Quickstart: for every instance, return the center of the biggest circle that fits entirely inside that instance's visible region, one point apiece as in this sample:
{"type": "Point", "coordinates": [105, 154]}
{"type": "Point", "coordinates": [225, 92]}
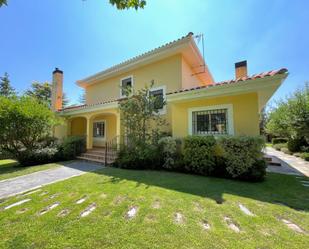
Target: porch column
{"type": "Point", "coordinates": [89, 133]}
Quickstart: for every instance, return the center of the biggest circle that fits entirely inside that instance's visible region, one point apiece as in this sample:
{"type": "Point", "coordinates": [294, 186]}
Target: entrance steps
{"type": "Point", "coordinates": [98, 155]}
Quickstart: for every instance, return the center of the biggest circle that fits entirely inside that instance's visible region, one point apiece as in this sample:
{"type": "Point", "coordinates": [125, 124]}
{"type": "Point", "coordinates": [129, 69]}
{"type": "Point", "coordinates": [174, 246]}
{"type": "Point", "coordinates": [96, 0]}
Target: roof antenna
{"type": "Point", "coordinates": [200, 37]}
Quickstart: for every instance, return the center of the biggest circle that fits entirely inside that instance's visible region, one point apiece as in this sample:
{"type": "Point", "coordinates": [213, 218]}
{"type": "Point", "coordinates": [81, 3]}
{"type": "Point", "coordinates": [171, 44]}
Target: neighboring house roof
{"type": "Point", "coordinates": [185, 45]}
{"type": "Point", "coordinates": [269, 74]}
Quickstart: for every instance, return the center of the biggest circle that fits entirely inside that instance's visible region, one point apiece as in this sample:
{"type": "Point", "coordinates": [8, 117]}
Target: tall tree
{"type": "Point", "coordinates": [3, 2]}
{"type": "Point", "coordinates": [42, 92]}
{"type": "Point", "coordinates": [82, 98]}
{"type": "Point", "coordinates": [6, 89]}
{"type": "Point", "coordinates": [120, 4]}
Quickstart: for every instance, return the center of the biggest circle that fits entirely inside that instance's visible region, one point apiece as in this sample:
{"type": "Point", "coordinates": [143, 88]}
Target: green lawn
{"type": "Point", "coordinates": [197, 198]}
{"type": "Point", "coordinates": [10, 168]}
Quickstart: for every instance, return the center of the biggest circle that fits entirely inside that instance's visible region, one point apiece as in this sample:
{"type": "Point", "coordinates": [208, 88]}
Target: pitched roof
{"type": "Point", "coordinates": [253, 77]}
{"type": "Point", "coordinates": [139, 58]}
{"type": "Point", "coordinates": [236, 81]}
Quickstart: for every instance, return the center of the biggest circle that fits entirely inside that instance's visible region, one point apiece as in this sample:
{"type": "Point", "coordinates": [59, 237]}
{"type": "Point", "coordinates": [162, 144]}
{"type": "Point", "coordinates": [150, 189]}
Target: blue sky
{"type": "Point", "coordinates": [84, 37]}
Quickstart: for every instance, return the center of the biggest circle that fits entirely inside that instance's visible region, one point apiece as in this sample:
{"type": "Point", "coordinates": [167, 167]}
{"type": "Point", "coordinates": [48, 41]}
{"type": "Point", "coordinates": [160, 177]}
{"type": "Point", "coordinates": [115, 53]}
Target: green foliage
{"type": "Point", "coordinates": [71, 147]}
{"type": "Point", "coordinates": [280, 146]}
{"type": "Point", "coordinates": [255, 173]}
{"type": "Point", "coordinates": [143, 156]}
{"type": "Point", "coordinates": [199, 154]}
{"type": "Point", "coordinates": [295, 144]}
{"type": "Point", "coordinates": [140, 118]}
{"type": "Point", "coordinates": [279, 140]}
{"type": "Point", "coordinates": [6, 90]}
{"type": "Point", "coordinates": [24, 122]}
{"type": "Point", "coordinates": [291, 117]}
{"type": "Point", "coordinates": [168, 150]}
{"type": "Point", "coordinates": [3, 2]}
{"type": "Point", "coordinates": [305, 156]}
{"type": "Point", "coordinates": [241, 152]}
{"type": "Point", "coordinates": [127, 4]}
{"type": "Point", "coordinates": [42, 92]}
{"type": "Point", "coordinates": [286, 151]}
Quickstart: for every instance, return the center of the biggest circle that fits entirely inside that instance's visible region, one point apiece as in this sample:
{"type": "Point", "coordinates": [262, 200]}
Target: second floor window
{"type": "Point", "coordinates": [159, 98]}
{"type": "Point", "coordinates": [126, 84]}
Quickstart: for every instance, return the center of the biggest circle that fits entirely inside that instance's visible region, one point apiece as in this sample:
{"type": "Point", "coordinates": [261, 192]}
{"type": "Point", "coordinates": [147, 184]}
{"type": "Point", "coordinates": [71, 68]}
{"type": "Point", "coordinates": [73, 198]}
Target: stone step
{"type": "Point", "coordinates": [91, 160]}
{"type": "Point", "coordinates": [272, 161]}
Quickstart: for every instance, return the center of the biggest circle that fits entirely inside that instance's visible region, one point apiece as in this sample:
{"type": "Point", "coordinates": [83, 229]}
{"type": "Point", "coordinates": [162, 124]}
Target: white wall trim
{"type": "Point", "coordinates": [105, 135]}
{"type": "Point", "coordinates": [120, 84]}
{"type": "Point", "coordinates": [163, 87]}
{"type": "Point", "coordinates": [230, 116]}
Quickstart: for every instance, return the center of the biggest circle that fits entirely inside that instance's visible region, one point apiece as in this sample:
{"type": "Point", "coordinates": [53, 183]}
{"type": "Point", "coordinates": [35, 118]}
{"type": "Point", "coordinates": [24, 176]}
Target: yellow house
{"type": "Point", "coordinates": [196, 104]}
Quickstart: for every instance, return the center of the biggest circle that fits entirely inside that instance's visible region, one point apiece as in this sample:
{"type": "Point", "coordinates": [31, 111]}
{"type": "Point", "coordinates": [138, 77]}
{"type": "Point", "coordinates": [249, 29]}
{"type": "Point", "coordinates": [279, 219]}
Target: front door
{"type": "Point", "coordinates": [99, 133]}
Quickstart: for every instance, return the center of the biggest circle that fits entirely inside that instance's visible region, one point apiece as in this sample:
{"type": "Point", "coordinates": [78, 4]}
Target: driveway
{"type": "Point", "coordinates": [13, 186]}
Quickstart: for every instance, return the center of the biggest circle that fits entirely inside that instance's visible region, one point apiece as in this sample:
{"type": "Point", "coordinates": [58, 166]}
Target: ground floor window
{"type": "Point", "coordinates": [99, 129]}
{"type": "Point", "coordinates": [216, 120]}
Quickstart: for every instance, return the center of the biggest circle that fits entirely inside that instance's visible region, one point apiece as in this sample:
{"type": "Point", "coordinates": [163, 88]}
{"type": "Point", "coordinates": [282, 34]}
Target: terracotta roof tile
{"type": "Point", "coordinates": [253, 77]}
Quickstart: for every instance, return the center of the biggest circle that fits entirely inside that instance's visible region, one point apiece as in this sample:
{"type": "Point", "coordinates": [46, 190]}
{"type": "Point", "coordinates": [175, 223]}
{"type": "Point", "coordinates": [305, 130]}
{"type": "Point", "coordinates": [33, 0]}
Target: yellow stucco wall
{"type": "Point", "coordinates": [111, 128]}
{"type": "Point", "coordinates": [165, 72]}
{"type": "Point", "coordinates": [245, 113]}
{"type": "Point", "coordinates": [78, 126]}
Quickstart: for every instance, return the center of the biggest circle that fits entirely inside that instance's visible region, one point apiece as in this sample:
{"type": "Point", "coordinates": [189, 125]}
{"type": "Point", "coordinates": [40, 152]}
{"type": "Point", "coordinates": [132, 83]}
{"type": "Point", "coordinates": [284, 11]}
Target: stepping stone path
{"type": "Point", "coordinates": [156, 204]}
{"type": "Point", "coordinates": [63, 213]}
{"type": "Point", "coordinates": [88, 210]}
{"type": "Point", "coordinates": [119, 199]}
{"type": "Point", "coordinates": [231, 224]}
{"type": "Point", "coordinates": [293, 226]}
{"type": "Point", "coordinates": [205, 225]}
{"type": "Point", "coordinates": [178, 218]}
{"type": "Point", "coordinates": [47, 209]}
{"type": "Point", "coordinates": [81, 200]}
{"type": "Point", "coordinates": [131, 213]}
{"type": "Point", "coordinates": [198, 207]}
{"type": "Point", "coordinates": [44, 193]}
{"type": "Point", "coordinates": [32, 192]}
{"type": "Point", "coordinates": [54, 196]}
{"type": "Point", "coordinates": [21, 211]}
{"type": "Point", "coordinates": [245, 210]}
{"type": "Point", "coordinates": [17, 204]}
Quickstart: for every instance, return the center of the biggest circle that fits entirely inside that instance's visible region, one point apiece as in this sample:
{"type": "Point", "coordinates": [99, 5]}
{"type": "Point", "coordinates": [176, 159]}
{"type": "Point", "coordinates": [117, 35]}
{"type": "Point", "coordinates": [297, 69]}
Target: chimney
{"type": "Point", "coordinates": [56, 95]}
{"type": "Point", "coordinates": [241, 69]}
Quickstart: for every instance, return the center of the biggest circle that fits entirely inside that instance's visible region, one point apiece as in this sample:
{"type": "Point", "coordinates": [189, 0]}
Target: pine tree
{"type": "Point", "coordinates": [5, 88]}
{"type": "Point", "coordinates": [82, 98]}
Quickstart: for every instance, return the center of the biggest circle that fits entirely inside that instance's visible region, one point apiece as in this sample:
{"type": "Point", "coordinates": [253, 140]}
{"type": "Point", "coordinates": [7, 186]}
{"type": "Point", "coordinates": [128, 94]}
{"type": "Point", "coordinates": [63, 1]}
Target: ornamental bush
{"type": "Point", "coordinates": [280, 146]}
{"type": "Point", "coordinates": [241, 153]}
{"type": "Point", "coordinates": [279, 140]}
{"type": "Point", "coordinates": [71, 147]}
{"type": "Point", "coordinates": [199, 154]}
{"type": "Point", "coordinates": [295, 144]}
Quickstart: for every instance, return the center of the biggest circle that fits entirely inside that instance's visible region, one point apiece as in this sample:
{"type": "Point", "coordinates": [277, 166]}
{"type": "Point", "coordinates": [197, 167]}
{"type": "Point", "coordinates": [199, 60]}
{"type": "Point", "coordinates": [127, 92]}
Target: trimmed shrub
{"type": "Point", "coordinates": [280, 146]}
{"type": "Point", "coordinates": [295, 144]}
{"type": "Point", "coordinates": [139, 157]}
{"type": "Point", "coordinates": [241, 153]}
{"type": "Point", "coordinates": [71, 147]}
{"type": "Point", "coordinates": [37, 156]}
{"type": "Point", "coordinates": [168, 149]}
{"type": "Point", "coordinates": [279, 140]}
{"type": "Point", "coordinates": [286, 151]}
{"type": "Point", "coordinates": [305, 156]}
{"type": "Point", "coordinates": [255, 173]}
{"type": "Point", "coordinates": [199, 154]}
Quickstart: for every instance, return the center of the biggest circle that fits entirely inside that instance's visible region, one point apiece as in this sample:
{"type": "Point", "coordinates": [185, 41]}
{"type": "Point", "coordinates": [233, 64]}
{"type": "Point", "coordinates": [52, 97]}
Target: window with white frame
{"type": "Point", "coordinates": [99, 129]}
{"type": "Point", "coordinates": [159, 95]}
{"type": "Point", "coordinates": [126, 84]}
{"type": "Point", "coordinates": [211, 120]}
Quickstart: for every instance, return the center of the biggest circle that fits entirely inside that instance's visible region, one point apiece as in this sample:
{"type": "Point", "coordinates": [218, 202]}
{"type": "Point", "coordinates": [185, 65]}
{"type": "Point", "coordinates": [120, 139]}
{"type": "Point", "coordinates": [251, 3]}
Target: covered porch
{"type": "Point", "coordinates": [98, 127]}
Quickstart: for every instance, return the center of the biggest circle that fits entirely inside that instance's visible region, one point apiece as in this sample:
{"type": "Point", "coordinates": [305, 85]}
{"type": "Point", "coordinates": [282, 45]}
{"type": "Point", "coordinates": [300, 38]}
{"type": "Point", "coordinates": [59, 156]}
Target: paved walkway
{"type": "Point", "coordinates": [290, 164]}
{"type": "Point", "coordinates": [25, 183]}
